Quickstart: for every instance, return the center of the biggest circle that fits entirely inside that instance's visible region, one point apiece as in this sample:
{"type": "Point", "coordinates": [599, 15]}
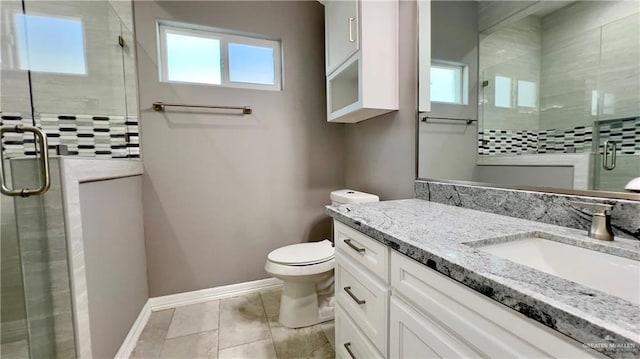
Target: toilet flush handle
{"type": "Point", "coordinates": [355, 248]}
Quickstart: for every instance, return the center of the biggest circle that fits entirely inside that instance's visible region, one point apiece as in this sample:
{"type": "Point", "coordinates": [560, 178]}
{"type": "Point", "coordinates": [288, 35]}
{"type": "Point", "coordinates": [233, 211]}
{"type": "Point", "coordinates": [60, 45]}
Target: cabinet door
{"type": "Point", "coordinates": [412, 335]}
{"type": "Point", "coordinates": [341, 31]}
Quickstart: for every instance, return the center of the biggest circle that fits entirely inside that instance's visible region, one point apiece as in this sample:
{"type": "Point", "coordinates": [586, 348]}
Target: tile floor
{"type": "Point", "coordinates": [239, 327]}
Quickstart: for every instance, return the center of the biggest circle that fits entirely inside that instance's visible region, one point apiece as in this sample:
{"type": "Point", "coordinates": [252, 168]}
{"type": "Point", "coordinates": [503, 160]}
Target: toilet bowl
{"type": "Point", "coordinates": [306, 269]}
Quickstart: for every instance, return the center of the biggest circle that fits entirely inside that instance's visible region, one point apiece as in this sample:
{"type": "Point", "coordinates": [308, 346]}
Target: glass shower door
{"type": "Point", "coordinates": [36, 319]}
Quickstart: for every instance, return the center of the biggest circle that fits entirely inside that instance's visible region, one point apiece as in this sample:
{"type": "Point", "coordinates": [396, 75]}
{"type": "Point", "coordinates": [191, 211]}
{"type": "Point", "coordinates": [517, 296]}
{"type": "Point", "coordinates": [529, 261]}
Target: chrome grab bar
{"type": "Point", "coordinates": [160, 106]}
{"type": "Point", "coordinates": [606, 164]}
{"type": "Point", "coordinates": [44, 162]}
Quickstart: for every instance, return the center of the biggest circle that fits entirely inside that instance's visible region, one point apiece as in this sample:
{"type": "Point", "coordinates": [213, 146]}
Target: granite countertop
{"type": "Point", "coordinates": [435, 235]}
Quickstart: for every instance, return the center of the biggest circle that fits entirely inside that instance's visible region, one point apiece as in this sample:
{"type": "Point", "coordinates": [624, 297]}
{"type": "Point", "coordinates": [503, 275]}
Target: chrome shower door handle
{"type": "Point", "coordinates": [606, 164]}
{"type": "Point", "coordinates": [43, 163]}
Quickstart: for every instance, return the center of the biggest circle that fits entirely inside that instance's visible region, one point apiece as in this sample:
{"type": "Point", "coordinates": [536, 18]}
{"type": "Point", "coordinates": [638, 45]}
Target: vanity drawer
{"type": "Point", "coordinates": [363, 250]}
{"type": "Point", "coordinates": [365, 299]}
{"type": "Point", "coordinates": [349, 336]}
{"type": "Point", "coordinates": [492, 329]}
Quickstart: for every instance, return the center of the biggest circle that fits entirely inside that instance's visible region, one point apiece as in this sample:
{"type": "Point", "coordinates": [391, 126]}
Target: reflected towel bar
{"type": "Point", "coordinates": [160, 106]}
{"type": "Point", "coordinates": [467, 120]}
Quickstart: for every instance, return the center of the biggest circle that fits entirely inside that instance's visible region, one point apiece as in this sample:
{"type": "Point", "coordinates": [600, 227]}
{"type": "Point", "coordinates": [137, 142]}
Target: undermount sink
{"type": "Point", "coordinates": [605, 272]}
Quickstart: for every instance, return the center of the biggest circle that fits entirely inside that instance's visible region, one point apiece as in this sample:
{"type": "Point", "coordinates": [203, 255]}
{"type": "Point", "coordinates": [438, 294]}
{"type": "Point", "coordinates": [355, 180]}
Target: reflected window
{"type": "Point", "coordinates": [527, 94]}
{"type": "Point", "coordinates": [448, 83]}
{"type": "Point", "coordinates": [503, 92]}
{"type": "Point", "coordinates": [50, 44]}
{"type": "Point", "coordinates": [198, 55]}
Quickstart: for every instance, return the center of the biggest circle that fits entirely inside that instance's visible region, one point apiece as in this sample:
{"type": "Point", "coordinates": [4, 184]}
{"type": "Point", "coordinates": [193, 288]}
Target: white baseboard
{"type": "Point", "coordinates": [131, 340]}
{"type": "Point", "coordinates": [181, 299]}
{"type": "Point", "coordinates": [205, 295]}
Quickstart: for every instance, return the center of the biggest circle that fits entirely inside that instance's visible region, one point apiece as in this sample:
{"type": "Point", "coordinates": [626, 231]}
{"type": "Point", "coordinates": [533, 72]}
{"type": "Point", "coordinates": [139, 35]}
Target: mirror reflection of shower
{"type": "Point", "coordinates": [556, 83]}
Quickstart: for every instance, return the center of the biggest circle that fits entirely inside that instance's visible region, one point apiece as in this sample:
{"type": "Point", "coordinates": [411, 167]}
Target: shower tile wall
{"type": "Point", "coordinates": [91, 115]}
{"type": "Point", "coordinates": [603, 38]}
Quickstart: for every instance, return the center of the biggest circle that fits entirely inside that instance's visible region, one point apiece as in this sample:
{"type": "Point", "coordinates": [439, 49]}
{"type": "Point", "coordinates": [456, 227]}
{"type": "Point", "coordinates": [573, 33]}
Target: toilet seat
{"type": "Point", "coordinates": [303, 254]}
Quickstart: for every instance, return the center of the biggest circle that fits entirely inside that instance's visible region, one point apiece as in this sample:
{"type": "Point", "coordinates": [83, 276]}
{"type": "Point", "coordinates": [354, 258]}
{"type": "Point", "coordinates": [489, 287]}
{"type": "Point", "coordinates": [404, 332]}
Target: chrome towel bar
{"type": "Point", "coordinates": [160, 106]}
{"type": "Point", "coordinates": [467, 120]}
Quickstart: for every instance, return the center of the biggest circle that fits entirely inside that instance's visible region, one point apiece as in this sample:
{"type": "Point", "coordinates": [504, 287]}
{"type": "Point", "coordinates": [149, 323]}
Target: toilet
{"type": "Point", "coordinates": [307, 272]}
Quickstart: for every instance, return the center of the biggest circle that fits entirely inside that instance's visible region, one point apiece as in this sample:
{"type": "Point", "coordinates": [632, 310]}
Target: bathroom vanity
{"type": "Point", "coordinates": [416, 278]}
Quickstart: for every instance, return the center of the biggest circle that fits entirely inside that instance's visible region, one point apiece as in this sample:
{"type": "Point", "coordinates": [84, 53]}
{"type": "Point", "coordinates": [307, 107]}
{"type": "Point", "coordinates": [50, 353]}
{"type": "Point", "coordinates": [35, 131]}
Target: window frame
{"type": "Point", "coordinates": [225, 38]}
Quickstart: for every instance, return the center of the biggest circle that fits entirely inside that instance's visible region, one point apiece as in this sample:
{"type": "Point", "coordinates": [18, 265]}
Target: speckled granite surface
{"type": "Point", "coordinates": [543, 207]}
{"type": "Point", "coordinates": [434, 234]}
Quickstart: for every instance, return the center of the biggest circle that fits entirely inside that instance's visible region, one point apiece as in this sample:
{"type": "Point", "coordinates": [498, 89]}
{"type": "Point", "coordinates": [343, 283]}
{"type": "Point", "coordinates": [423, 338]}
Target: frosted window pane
{"type": "Point", "coordinates": [193, 59]}
{"type": "Point", "coordinates": [251, 64]}
{"type": "Point", "coordinates": [503, 92]}
{"type": "Point", "coordinates": [446, 84]}
{"type": "Point", "coordinates": [527, 94]}
{"type": "Point", "coordinates": [50, 44]}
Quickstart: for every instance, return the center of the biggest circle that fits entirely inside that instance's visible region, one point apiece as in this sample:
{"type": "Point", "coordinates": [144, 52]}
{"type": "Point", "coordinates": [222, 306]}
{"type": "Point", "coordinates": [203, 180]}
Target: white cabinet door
{"type": "Point", "coordinates": [413, 335]}
{"type": "Point", "coordinates": [341, 30]}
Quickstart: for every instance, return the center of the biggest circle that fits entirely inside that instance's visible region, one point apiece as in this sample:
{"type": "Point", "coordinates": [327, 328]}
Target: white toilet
{"type": "Point", "coordinates": [307, 272]}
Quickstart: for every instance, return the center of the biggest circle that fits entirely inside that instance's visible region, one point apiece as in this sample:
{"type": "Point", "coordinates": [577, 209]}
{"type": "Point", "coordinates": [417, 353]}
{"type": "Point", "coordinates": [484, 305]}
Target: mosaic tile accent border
{"type": "Point", "coordinates": [82, 135]}
{"type": "Point", "coordinates": [626, 132]}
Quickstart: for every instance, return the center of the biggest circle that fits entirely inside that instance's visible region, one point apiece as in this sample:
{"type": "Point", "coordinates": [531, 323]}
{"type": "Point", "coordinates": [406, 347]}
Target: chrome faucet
{"type": "Point", "coordinates": [601, 221]}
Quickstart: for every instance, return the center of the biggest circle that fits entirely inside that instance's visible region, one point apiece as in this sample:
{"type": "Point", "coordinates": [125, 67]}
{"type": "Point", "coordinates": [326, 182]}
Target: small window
{"type": "Point", "coordinates": [503, 92]}
{"type": "Point", "coordinates": [448, 83]}
{"type": "Point", "coordinates": [527, 94]}
{"type": "Point", "coordinates": [50, 44]}
{"type": "Point", "coordinates": [209, 57]}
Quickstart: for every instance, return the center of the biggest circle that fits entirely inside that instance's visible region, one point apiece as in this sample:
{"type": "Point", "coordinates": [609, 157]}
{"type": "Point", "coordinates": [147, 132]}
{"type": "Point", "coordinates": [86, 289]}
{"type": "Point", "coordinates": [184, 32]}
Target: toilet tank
{"type": "Point", "coordinates": [349, 196]}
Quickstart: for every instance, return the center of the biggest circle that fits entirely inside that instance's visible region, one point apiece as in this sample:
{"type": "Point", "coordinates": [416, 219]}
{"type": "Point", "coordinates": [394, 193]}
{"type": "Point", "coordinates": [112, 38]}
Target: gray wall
{"type": "Point", "coordinates": [380, 152]}
{"type": "Point", "coordinates": [221, 191]}
{"type": "Point", "coordinates": [448, 149]}
{"type": "Point", "coordinates": [114, 251]}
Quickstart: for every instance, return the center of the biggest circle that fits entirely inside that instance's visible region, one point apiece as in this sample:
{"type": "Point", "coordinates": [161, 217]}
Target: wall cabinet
{"type": "Point", "coordinates": [341, 25]}
{"type": "Point", "coordinates": [391, 306]}
{"type": "Point", "coordinates": [361, 59]}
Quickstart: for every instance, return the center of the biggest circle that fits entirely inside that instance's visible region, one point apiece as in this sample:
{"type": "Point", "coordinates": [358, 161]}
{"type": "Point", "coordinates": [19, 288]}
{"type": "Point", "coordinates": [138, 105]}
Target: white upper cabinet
{"type": "Point", "coordinates": [341, 32]}
{"type": "Point", "coordinates": [362, 59]}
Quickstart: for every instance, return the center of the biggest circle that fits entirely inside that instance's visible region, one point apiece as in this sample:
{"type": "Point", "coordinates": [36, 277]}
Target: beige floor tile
{"type": "Point", "coordinates": [194, 346]}
{"type": "Point", "coordinates": [152, 337]}
{"type": "Point", "coordinates": [262, 349]}
{"type": "Point", "coordinates": [194, 318]}
{"type": "Point", "coordinates": [271, 301]}
{"type": "Point", "coordinates": [242, 321]}
{"type": "Point", "coordinates": [309, 342]}
{"type": "Point", "coordinates": [329, 329]}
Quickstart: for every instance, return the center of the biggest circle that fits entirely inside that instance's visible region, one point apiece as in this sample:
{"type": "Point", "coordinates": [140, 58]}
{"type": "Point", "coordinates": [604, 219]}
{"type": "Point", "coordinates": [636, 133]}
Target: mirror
{"type": "Point", "coordinates": [531, 94]}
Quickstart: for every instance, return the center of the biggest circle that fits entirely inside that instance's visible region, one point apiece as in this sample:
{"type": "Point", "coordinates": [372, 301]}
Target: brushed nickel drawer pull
{"type": "Point", "coordinates": [355, 248]}
{"type": "Point", "coordinates": [347, 346]}
{"type": "Point", "coordinates": [353, 296]}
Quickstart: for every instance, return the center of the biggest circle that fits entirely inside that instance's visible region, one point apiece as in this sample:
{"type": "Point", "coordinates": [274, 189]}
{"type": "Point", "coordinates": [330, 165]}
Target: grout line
{"type": "Point", "coordinates": [264, 311]}
{"type": "Point", "coordinates": [164, 341]}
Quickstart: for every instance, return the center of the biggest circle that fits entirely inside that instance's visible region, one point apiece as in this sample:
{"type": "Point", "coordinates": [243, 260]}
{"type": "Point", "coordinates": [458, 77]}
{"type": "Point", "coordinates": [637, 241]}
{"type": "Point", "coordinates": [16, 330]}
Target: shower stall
{"type": "Point", "coordinates": [558, 88]}
{"type": "Point", "coordinates": [67, 88]}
